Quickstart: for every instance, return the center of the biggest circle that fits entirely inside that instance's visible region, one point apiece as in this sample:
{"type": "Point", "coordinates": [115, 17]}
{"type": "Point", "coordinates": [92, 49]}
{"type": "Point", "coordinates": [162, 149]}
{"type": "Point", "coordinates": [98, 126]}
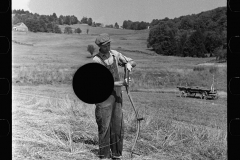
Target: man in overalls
{"type": "Point", "coordinates": [109, 115]}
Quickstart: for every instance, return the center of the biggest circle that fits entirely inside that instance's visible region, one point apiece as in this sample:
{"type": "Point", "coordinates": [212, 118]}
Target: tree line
{"type": "Point", "coordinates": [43, 23]}
{"type": "Point", "coordinates": [128, 24]}
{"type": "Point", "coordinates": [190, 36]}
{"type": "Point", "coordinates": [48, 23]}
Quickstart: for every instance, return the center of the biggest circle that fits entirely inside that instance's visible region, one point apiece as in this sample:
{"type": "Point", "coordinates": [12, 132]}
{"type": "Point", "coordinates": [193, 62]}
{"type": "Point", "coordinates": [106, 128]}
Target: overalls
{"type": "Point", "coordinates": [109, 117]}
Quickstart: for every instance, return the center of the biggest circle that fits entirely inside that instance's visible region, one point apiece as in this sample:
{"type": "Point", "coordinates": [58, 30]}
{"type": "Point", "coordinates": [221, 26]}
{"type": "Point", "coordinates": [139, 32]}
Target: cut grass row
{"type": "Point", "coordinates": [55, 129]}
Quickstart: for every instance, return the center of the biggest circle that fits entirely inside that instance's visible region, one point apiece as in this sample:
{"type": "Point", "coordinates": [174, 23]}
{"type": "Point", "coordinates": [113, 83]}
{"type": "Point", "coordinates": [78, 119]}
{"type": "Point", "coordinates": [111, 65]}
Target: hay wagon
{"type": "Point", "coordinates": [204, 93]}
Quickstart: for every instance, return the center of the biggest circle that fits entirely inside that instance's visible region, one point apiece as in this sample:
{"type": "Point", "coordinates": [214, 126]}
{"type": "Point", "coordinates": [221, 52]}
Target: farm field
{"type": "Point", "coordinates": [50, 122]}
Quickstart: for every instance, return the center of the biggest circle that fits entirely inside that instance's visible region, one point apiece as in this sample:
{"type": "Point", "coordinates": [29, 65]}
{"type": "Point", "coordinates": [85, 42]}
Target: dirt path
{"type": "Point", "coordinates": [214, 64]}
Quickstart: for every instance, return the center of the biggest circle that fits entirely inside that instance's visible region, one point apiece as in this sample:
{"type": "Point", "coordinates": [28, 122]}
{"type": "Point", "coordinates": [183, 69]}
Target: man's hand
{"type": "Point", "coordinates": [125, 83]}
{"type": "Point", "coordinates": [129, 67]}
{"type": "Point", "coordinates": [127, 80]}
{"type": "Point", "coordinates": [121, 83]}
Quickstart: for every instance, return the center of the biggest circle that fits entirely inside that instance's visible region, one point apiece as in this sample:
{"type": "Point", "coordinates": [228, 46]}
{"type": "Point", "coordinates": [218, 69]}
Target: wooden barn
{"type": "Point", "coordinates": [20, 27]}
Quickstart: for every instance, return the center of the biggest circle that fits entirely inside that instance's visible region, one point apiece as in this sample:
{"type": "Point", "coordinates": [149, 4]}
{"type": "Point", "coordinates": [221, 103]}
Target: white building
{"type": "Point", "coordinates": [20, 27]}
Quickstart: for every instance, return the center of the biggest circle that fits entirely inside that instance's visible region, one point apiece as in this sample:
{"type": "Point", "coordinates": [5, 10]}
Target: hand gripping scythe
{"type": "Point", "coordinates": [126, 76]}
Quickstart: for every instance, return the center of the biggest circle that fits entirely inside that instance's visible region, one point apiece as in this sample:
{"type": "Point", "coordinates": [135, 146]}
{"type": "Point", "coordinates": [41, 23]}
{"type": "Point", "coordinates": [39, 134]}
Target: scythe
{"type": "Point", "coordinates": [126, 76]}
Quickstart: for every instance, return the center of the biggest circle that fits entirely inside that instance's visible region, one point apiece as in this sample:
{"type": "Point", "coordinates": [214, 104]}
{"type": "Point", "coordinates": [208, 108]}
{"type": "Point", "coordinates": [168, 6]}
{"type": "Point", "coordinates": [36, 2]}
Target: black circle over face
{"type": "Point", "coordinates": [93, 83]}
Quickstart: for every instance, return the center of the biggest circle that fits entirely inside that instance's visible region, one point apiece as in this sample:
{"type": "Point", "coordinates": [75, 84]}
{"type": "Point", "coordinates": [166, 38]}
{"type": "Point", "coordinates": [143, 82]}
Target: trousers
{"type": "Point", "coordinates": [109, 118]}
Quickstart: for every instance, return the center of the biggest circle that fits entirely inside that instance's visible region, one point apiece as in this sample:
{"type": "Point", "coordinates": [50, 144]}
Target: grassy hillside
{"type": "Point", "coordinates": [50, 122]}
{"type": "Point", "coordinates": [97, 30]}
{"type": "Point", "coordinates": [64, 51]}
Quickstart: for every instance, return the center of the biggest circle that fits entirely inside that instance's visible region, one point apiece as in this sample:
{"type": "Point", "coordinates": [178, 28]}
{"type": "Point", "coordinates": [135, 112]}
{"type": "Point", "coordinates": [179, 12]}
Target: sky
{"type": "Point", "coordinates": [112, 11]}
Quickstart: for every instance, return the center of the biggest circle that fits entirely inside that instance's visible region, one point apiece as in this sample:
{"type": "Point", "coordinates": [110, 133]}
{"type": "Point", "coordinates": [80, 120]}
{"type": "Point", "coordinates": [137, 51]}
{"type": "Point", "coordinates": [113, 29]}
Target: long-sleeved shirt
{"type": "Point", "coordinates": [121, 59]}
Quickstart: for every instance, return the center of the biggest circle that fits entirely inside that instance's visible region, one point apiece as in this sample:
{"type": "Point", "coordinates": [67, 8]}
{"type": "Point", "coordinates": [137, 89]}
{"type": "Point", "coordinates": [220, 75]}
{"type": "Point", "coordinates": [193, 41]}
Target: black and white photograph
{"type": "Point", "coordinates": [119, 79]}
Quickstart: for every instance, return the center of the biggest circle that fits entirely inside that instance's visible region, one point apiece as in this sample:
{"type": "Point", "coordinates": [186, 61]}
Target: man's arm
{"type": "Point", "coordinates": [123, 60]}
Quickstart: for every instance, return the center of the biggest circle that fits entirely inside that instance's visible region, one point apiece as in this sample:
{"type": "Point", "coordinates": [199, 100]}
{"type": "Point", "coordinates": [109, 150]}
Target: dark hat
{"type": "Point", "coordinates": [102, 39]}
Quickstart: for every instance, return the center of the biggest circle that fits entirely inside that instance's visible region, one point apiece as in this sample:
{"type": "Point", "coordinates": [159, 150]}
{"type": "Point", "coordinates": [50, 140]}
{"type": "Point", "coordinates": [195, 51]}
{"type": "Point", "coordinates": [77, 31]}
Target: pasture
{"type": "Point", "coordinates": [50, 122]}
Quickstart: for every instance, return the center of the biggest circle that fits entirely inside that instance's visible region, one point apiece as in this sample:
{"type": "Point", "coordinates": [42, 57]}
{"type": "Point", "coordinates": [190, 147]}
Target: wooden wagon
{"type": "Point", "coordinates": [204, 93]}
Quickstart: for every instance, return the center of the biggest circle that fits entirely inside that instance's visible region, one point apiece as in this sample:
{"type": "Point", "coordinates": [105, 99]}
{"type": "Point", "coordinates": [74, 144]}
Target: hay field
{"type": "Point", "coordinates": [50, 122]}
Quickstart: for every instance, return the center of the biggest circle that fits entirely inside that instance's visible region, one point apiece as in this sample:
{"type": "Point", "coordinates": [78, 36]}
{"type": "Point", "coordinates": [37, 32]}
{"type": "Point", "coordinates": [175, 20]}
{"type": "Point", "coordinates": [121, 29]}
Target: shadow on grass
{"type": "Point", "coordinates": [94, 151]}
{"type": "Point", "coordinates": [85, 140]}
{"type": "Point", "coordinates": [196, 97]}
{"type": "Point", "coordinates": [89, 56]}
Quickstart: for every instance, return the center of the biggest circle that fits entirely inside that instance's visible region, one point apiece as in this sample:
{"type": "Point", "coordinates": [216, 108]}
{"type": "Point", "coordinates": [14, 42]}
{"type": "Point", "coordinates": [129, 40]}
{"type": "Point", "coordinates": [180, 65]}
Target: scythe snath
{"type": "Point", "coordinates": [126, 76]}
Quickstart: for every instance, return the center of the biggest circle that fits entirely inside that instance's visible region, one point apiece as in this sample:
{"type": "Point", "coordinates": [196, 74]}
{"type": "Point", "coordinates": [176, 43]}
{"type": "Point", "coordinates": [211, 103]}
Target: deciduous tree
{"type": "Point", "coordinates": [91, 49]}
{"type": "Point", "coordinates": [78, 30]}
{"type": "Point", "coordinates": [89, 21]}
{"type": "Point", "coordinates": [194, 46]}
{"type": "Point", "coordinates": [84, 20]}
{"type": "Point", "coordinates": [212, 41]}
{"type": "Point", "coordinates": [116, 25]}
{"type": "Point", "coordinates": [162, 39]}
{"type": "Point", "coordinates": [68, 30]}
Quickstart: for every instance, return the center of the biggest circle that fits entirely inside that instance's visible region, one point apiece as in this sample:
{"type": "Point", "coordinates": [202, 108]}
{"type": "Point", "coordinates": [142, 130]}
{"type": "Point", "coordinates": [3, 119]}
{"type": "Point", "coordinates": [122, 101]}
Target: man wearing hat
{"type": "Point", "coordinates": [109, 115]}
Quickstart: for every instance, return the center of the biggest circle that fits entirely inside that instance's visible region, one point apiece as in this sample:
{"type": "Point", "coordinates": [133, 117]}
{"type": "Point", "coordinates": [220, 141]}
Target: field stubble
{"type": "Point", "coordinates": [65, 128]}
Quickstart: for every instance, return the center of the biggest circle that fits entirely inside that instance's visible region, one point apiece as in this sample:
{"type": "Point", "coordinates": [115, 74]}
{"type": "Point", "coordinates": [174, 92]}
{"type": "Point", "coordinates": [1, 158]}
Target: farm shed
{"type": "Point", "coordinates": [20, 27]}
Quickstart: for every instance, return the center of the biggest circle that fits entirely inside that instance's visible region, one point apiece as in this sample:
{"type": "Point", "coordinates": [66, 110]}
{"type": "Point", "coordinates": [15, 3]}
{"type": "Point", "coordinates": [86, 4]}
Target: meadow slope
{"type": "Point", "coordinates": [50, 122]}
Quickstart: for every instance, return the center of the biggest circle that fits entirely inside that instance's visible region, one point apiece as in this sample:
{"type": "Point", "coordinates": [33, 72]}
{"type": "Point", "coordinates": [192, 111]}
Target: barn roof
{"type": "Point", "coordinates": [18, 24]}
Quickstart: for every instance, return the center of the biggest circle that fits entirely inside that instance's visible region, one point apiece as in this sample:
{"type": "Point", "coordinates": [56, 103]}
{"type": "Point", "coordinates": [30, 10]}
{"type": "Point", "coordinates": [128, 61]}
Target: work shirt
{"type": "Point", "coordinates": [121, 59]}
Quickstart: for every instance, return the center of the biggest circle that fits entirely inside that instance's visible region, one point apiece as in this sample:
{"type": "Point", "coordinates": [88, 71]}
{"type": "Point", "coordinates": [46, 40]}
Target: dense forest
{"type": "Point", "coordinates": [195, 35]}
